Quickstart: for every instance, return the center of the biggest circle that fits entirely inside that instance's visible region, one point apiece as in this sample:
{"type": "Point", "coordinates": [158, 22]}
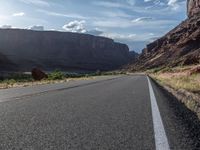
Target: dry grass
{"type": "Point", "coordinates": [178, 78]}
{"type": "Point", "coordinates": [11, 83]}
{"type": "Point", "coordinates": [22, 80]}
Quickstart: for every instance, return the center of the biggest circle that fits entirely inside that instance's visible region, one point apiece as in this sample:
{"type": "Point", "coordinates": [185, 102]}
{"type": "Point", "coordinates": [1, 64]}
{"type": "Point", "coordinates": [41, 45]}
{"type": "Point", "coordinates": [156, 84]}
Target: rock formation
{"type": "Point", "coordinates": [38, 74]}
{"type": "Point", "coordinates": [52, 50]}
{"type": "Point", "coordinates": [180, 46]}
{"type": "Point", "coordinates": [193, 7]}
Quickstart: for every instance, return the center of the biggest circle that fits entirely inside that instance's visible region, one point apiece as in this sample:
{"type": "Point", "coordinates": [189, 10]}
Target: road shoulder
{"type": "Point", "coordinates": [181, 124]}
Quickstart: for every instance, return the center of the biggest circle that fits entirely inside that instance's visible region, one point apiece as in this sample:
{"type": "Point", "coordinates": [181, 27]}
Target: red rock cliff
{"type": "Point", "coordinates": [180, 46]}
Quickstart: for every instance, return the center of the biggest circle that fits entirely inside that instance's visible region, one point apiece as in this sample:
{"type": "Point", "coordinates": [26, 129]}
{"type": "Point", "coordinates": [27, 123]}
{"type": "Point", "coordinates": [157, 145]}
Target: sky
{"type": "Point", "coordinates": [133, 22]}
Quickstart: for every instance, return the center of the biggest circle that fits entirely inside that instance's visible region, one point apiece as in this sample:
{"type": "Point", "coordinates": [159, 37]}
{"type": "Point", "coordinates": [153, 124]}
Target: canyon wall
{"type": "Point", "coordinates": [51, 50]}
{"type": "Point", "coordinates": [180, 46]}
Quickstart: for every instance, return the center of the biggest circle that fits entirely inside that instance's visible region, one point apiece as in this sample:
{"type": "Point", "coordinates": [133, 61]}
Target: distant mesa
{"type": "Point", "coordinates": [52, 50]}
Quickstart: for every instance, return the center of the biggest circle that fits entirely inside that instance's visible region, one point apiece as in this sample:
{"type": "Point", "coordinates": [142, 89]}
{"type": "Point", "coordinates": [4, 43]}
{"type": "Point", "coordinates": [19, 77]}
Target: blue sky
{"type": "Point", "coordinates": [134, 22]}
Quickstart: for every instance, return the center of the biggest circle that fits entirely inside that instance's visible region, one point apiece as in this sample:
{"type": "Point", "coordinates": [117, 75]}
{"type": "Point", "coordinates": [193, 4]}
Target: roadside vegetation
{"type": "Point", "coordinates": [12, 79]}
{"type": "Point", "coordinates": [178, 77]}
{"type": "Point", "coordinates": [21, 79]}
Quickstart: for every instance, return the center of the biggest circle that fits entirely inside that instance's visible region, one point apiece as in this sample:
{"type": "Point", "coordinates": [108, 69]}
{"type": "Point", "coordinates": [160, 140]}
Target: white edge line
{"type": "Point", "coordinates": [161, 141]}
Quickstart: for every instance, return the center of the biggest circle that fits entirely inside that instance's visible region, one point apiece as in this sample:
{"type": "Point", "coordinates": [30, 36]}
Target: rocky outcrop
{"type": "Point", "coordinates": [181, 46]}
{"type": "Point", "coordinates": [52, 50]}
{"type": "Point", "coordinates": [38, 74]}
{"type": "Point", "coordinates": [193, 7]}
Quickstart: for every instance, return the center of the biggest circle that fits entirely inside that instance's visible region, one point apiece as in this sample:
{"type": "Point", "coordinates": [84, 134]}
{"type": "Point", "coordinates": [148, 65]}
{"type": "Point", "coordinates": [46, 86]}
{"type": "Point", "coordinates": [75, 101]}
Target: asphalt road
{"type": "Point", "coordinates": [107, 113]}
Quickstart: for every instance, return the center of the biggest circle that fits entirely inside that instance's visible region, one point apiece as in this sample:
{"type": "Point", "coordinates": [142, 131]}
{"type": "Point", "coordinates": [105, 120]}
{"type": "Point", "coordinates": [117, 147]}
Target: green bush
{"type": "Point", "coordinates": [56, 75]}
{"type": "Point", "coordinates": [9, 81]}
{"type": "Point", "coordinates": [73, 75]}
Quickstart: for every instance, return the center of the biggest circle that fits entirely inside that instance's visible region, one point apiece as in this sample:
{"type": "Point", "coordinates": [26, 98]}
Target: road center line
{"type": "Point", "coordinates": [161, 140]}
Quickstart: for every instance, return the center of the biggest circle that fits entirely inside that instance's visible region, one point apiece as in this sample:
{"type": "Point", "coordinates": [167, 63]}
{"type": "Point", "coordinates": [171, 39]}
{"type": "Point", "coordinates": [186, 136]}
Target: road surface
{"type": "Point", "coordinates": [128, 112]}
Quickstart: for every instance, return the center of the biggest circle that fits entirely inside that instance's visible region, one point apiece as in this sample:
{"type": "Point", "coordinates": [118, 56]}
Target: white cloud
{"type": "Point", "coordinates": [142, 19]}
{"type": "Point", "coordinates": [119, 36]}
{"type": "Point", "coordinates": [115, 14]}
{"type": "Point", "coordinates": [148, 0]}
{"type": "Point", "coordinates": [56, 14]}
{"type": "Point", "coordinates": [95, 32]}
{"type": "Point", "coordinates": [112, 23]}
{"type": "Point", "coordinates": [130, 37]}
{"type": "Point", "coordinates": [79, 27]}
{"type": "Point", "coordinates": [19, 14]}
{"type": "Point", "coordinates": [131, 2]}
{"type": "Point", "coordinates": [41, 3]}
{"type": "Point", "coordinates": [110, 4]}
{"type": "Point", "coordinates": [141, 23]}
{"type": "Point", "coordinates": [135, 41]}
{"type": "Point", "coordinates": [37, 28]}
{"type": "Point", "coordinates": [75, 26]}
{"type": "Point", "coordinates": [174, 4]}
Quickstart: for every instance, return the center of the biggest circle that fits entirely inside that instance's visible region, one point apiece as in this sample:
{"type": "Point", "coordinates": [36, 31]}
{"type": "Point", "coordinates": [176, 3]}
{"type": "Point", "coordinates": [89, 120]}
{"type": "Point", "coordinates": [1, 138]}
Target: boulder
{"type": "Point", "coordinates": [38, 74]}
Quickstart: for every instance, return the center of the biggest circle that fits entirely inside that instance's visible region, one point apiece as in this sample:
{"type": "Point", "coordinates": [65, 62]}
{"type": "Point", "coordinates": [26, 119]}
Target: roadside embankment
{"type": "Point", "coordinates": [183, 83]}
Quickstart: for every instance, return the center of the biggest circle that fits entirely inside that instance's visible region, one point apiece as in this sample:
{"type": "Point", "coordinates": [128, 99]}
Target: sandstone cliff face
{"type": "Point", "coordinates": [58, 50]}
{"type": "Point", "coordinates": [181, 46]}
{"type": "Point", "coordinates": [193, 7]}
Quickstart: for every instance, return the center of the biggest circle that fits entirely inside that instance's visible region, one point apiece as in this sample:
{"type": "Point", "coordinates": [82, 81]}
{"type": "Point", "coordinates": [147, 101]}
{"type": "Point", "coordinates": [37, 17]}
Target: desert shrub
{"type": "Point", "coordinates": [56, 75]}
{"type": "Point", "coordinates": [74, 75]}
{"type": "Point", "coordinates": [9, 81]}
